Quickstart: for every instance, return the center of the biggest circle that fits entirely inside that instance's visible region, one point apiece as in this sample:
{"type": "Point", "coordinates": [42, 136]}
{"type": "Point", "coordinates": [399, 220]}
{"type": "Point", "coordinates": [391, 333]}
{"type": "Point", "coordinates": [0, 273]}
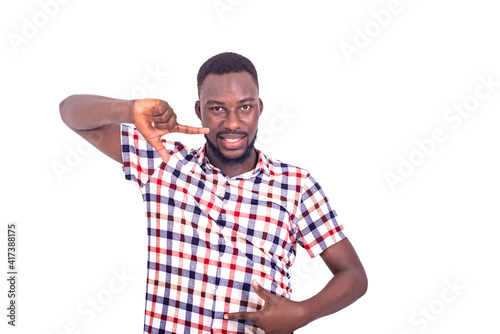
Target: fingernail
{"type": "Point", "coordinates": [226, 316]}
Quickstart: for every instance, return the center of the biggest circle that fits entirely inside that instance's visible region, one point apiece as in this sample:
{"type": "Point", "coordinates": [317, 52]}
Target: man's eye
{"type": "Point", "coordinates": [246, 107]}
{"type": "Point", "coordinates": [217, 109]}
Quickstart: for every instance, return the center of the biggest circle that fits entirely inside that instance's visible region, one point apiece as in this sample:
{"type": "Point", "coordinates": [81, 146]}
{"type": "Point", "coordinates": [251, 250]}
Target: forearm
{"type": "Point", "coordinates": [343, 289]}
{"type": "Point", "coordinates": [86, 112]}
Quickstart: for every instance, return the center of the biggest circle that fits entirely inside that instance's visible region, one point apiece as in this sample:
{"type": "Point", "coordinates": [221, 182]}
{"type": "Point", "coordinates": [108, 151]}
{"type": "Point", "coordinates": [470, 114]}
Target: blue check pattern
{"type": "Point", "coordinates": [210, 235]}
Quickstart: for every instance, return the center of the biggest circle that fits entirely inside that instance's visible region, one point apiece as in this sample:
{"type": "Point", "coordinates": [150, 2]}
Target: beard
{"type": "Point", "coordinates": [230, 161]}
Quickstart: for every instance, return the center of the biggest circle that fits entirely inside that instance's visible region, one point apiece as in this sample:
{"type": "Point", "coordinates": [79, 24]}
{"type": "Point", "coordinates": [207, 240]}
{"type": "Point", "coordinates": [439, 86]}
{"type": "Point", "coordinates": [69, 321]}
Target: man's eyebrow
{"type": "Point", "coordinates": [214, 102]}
{"type": "Point", "coordinates": [248, 99]}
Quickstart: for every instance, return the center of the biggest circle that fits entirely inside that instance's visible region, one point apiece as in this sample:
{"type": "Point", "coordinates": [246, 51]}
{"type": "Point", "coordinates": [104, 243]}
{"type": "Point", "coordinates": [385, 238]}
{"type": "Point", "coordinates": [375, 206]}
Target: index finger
{"type": "Point", "coordinates": [192, 130]}
{"type": "Point", "coordinates": [239, 315]}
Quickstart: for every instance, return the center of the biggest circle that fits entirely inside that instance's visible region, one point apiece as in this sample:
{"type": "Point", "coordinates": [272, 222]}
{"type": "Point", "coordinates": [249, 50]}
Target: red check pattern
{"type": "Point", "coordinates": [211, 235]}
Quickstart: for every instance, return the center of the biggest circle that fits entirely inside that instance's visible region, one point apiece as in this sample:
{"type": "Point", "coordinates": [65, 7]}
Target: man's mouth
{"type": "Point", "coordinates": [232, 142]}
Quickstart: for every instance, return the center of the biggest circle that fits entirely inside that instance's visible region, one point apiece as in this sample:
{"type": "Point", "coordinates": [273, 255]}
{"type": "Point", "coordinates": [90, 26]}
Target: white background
{"type": "Point", "coordinates": [351, 118]}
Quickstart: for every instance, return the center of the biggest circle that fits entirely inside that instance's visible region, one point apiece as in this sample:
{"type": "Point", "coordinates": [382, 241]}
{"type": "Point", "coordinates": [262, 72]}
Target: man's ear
{"type": "Point", "coordinates": [261, 106]}
{"type": "Point", "coordinates": [197, 109]}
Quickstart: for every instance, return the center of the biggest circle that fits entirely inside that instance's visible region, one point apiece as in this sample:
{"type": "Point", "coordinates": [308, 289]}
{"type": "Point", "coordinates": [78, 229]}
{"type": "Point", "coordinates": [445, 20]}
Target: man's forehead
{"type": "Point", "coordinates": [234, 83]}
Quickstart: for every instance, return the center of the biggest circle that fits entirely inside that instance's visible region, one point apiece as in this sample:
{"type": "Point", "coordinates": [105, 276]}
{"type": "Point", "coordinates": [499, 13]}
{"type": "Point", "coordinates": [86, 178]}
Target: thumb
{"type": "Point", "coordinates": [263, 293]}
{"type": "Point", "coordinates": [160, 148]}
{"type": "Point", "coordinates": [153, 136]}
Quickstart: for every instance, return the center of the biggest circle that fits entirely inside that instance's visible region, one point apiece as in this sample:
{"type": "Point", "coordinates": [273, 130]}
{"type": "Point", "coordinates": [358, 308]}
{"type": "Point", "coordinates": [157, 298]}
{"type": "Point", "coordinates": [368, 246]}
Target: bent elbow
{"type": "Point", "coordinates": [64, 109]}
{"type": "Point", "coordinates": [362, 283]}
{"type": "Point", "coordinates": [63, 106]}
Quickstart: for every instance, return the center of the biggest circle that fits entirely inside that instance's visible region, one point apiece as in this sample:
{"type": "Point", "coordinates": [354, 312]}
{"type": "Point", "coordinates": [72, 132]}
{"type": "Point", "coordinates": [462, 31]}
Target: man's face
{"type": "Point", "coordinates": [230, 107]}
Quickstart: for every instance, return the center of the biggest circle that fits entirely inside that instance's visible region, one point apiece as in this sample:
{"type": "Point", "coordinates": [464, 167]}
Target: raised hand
{"type": "Point", "coordinates": [279, 315]}
{"type": "Point", "coordinates": [155, 118]}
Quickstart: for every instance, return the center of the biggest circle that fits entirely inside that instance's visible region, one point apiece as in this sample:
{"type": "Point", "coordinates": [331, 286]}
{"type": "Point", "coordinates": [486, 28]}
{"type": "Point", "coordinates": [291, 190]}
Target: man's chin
{"type": "Point", "coordinates": [234, 158]}
{"type": "Point", "coordinates": [233, 154]}
{"type": "Point", "coordinates": [231, 157]}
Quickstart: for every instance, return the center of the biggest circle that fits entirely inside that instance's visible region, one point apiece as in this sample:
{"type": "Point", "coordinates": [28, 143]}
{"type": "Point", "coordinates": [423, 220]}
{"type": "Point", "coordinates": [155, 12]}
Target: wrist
{"type": "Point", "coordinates": [304, 313]}
{"type": "Point", "coordinates": [125, 111]}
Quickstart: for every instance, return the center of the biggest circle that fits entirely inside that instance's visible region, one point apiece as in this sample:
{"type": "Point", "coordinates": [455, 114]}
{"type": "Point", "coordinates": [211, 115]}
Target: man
{"type": "Point", "coordinates": [223, 220]}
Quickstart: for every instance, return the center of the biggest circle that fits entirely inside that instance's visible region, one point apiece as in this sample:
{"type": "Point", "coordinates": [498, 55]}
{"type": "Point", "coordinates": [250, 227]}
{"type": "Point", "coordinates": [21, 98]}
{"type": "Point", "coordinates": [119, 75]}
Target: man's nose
{"type": "Point", "coordinates": [233, 121]}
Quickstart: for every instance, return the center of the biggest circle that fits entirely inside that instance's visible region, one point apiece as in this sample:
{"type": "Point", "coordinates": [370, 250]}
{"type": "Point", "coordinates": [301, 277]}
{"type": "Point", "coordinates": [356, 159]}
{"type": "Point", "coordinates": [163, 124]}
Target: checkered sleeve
{"type": "Point", "coordinates": [317, 228]}
{"type": "Point", "coordinates": [140, 159]}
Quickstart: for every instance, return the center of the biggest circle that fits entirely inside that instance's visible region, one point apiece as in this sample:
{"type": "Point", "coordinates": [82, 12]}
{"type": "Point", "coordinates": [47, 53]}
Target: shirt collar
{"type": "Point", "coordinates": [262, 163]}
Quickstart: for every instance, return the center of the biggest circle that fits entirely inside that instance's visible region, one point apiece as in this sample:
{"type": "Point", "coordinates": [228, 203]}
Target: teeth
{"type": "Point", "coordinates": [231, 140]}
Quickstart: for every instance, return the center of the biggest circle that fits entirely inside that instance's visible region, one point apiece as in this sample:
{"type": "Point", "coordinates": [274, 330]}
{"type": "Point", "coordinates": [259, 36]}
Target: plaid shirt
{"type": "Point", "coordinates": [210, 235]}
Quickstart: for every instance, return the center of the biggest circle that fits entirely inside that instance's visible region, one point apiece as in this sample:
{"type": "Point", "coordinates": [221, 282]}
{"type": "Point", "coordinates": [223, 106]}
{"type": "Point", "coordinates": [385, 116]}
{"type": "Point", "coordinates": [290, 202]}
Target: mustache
{"type": "Point", "coordinates": [231, 132]}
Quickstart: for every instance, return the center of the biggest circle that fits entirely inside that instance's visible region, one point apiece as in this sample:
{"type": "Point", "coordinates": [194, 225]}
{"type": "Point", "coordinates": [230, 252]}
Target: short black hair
{"type": "Point", "coordinates": [224, 63]}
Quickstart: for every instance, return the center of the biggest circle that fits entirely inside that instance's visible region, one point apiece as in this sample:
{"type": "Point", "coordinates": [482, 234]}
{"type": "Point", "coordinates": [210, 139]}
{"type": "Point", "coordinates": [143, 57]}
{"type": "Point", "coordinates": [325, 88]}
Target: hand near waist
{"type": "Point", "coordinates": [279, 315]}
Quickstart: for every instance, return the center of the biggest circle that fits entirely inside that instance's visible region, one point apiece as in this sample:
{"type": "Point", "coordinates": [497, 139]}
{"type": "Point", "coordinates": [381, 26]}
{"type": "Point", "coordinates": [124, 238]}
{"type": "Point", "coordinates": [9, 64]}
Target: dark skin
{"type": "Point", "coordinates": [229, 109]}
{"type": "Point", "coordinates": [231, 102]}
{"type": "Point", "coordinates": [97, 119]}
{"type": "Point", "coordinates": [348, 284]}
